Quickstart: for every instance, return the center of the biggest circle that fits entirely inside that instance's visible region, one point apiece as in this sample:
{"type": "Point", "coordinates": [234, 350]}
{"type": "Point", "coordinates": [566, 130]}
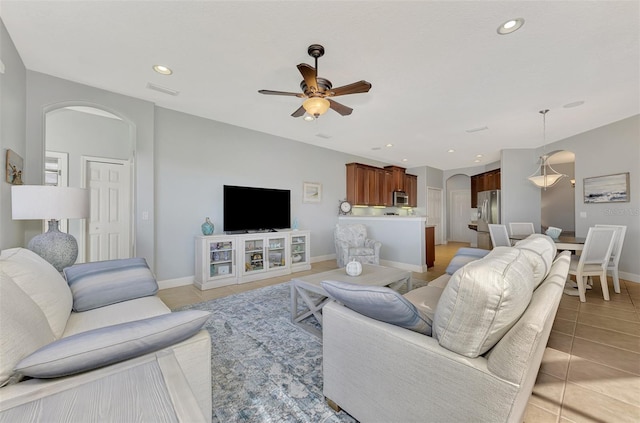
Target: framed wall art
{"type": "Point", "coordinates": [14, 167]}
{"type": "Point", "coordinates": [311, 192]}
{"type": "Point", "coordinates": [607, 188]}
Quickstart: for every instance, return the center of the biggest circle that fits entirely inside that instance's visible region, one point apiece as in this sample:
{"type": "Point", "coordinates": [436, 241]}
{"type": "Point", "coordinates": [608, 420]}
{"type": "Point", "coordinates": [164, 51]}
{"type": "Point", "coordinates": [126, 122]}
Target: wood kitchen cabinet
{"type": "Point", "coordinates": [361, 185]}
{"type": "Point", "coordinates": [373, 186]}
{"type": "Point", "coordinates": [411, 188]}
{"type": "Point", "coordinates": [398, 177]}
{"type": "Point", "coordinates": [486, 181]}
{"type": "Point", "coordinates": [430, 245]}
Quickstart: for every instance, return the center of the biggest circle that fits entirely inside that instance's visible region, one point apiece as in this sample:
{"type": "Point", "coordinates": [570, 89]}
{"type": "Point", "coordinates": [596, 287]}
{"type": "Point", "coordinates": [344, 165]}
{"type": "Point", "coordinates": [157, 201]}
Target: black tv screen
{"type": "Point", "coordinates": [255, 209]}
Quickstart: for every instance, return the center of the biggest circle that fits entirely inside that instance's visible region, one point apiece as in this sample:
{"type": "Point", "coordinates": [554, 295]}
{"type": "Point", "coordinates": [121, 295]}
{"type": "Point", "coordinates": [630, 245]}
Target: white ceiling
{"type": "Point", "coordinates": [438, 68]}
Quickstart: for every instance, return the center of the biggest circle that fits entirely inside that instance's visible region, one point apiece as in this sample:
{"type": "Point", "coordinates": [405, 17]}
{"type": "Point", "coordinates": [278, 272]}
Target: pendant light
{"type": "Point", "coordinates": [545, 176]}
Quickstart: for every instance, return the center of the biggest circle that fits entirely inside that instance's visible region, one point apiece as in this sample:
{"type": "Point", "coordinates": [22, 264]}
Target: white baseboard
{"type": "Point", "coordinates": [631, 277]}
{"type": "Point", "coordinates": [173, 283]}
{"type": "Point", "coordinates": [323, 258]}
{"type": "Point", "coordinates": [404, 266]}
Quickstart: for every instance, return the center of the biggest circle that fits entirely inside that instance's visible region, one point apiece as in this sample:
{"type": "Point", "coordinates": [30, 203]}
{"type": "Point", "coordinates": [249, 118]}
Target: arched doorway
{"type": "Point", "coordinates": [557, 203]}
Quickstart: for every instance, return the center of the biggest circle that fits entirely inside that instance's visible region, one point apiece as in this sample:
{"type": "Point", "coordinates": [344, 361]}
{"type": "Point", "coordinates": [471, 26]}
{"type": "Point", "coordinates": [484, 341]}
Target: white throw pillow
{"type": "Point", "coordinates": [482, 301]}
{"type": "Point", "coordinates": [42, 282]}
{"type": "Point", "coordinates": [540, 250]}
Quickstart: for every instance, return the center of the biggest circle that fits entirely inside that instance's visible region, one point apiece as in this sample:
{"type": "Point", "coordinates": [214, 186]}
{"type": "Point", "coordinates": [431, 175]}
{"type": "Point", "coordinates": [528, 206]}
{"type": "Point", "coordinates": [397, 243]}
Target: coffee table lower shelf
{"type": "Point", "coordinates": [304, 288]}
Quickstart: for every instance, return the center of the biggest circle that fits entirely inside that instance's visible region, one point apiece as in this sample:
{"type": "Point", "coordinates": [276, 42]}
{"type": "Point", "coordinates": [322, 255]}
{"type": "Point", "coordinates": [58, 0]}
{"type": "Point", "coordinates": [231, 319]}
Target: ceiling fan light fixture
{"type": "Point", "coordinates": [316, 106]}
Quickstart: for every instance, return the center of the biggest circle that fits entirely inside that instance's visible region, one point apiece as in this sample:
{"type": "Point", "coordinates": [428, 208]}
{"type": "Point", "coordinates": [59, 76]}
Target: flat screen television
{"type": "Point", "coordinates": [255, 209]}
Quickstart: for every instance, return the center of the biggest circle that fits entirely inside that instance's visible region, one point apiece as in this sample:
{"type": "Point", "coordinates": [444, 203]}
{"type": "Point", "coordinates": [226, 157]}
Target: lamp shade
{"type": "Point", "coordinates": [545, 181]}
{"type": "Point", "coordinates": [316, 105]}
{"type": "Point", "coordinates": [42, 202]}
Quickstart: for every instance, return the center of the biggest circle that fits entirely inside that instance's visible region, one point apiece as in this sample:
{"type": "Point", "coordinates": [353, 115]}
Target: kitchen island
{"type": "Point", "coordinates": [403, 239]}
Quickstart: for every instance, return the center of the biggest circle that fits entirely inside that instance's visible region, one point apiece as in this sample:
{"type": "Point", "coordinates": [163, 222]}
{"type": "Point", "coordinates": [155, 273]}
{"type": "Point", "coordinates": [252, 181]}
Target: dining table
{"type": "Point", "coordinates": [563, 242]}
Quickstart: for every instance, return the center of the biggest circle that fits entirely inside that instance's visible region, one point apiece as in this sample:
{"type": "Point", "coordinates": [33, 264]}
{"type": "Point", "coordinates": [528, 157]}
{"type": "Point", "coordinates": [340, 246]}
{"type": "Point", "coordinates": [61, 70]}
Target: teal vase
{"type": "Point", "coordinates": [207, 227]}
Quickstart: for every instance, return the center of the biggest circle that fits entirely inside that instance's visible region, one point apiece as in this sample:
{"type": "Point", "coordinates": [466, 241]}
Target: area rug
{"type": "Point", "coordinates": [263, 367]}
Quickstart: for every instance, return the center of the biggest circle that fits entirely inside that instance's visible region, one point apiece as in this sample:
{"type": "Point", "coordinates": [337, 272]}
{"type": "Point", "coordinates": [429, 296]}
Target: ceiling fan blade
{"type": "Point", "coordinates": [340, 108]}
{"type": "Point", "coordinates": [298, 112]}
{"type": "Point", "coordinates": [309, 74]}
{"type": "Point", "coordinates": [355, 88]}
{"type": "Point", "coordinates": [270, 92]}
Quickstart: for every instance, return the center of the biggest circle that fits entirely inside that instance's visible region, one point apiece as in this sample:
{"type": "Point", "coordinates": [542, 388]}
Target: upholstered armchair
{"type": "Point", "coordinates": [352, 243]}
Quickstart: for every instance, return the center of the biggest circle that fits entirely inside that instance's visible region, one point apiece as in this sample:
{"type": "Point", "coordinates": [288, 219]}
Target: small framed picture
{"type": "Point", "coordinates": [14, 168]}
{"type": "Point", "coordinates": [311, 192]}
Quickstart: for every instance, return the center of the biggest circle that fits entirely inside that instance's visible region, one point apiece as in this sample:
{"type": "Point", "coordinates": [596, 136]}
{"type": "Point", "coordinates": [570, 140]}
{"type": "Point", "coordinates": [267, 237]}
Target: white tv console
{"type": "Point", "coordinates": [231, 259]}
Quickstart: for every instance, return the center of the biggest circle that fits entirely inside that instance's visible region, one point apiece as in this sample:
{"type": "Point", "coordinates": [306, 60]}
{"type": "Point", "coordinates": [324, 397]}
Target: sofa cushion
{"type": "Point", "coordinates": [540, 250]}
{"type": "Point", "coordinates": [23, 328]}
{"type": "Point", "coordinates": [425, 300]}
{"type": "Point", "coordinates": [101, 347]}
{"type": "Point", "coordinates": [482, 301]}
{"type": "Point", "coordinates": [464, 256]}
{"type": "Point", "coordinates": [380, 303]}
{"type": "Point", "coordinates": [42, 282]}
{"type": "Point", "coordinates": [107, 282]}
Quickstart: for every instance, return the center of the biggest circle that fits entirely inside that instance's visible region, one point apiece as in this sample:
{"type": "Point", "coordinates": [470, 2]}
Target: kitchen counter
{"type": "Point", "coordinates": [402, 237]}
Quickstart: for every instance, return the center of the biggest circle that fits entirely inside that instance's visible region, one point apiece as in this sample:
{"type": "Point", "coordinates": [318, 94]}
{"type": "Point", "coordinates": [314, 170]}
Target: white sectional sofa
{"type": "Point", "coordinates": [469, 351]}
{"type": "Point", "coordinates": [52, 334]}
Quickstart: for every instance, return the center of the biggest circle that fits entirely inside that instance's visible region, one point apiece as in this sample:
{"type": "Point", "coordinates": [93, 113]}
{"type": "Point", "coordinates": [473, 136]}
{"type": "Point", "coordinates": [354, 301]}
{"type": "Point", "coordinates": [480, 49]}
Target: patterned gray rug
{"type": "Point", "coordinates": [264, 368]}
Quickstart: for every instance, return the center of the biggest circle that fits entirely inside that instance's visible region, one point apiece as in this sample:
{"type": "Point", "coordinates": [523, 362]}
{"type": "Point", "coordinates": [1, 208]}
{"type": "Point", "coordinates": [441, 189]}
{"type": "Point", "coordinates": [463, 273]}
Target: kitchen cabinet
{"type": "Point", "coordinates": [397, 176]}
{"type": "Point", "coordinates": [486, 181]}
{"type": "Point", "coordinates": [411, 188]}
{"type": "Point", "coordinates": [361, 184]}
{"type": "Point", "coordinates": [430, 245]}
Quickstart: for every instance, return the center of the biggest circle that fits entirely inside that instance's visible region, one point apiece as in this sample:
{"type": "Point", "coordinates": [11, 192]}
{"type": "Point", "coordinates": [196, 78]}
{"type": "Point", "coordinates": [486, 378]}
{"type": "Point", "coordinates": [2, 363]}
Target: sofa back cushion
{"type": "Point", "coordinates": [42, 282]}
{"type": "Point", "coordinates": [540, 250]}
{"type": "Point", "coordinates": [482, 301]}
{"type": "Point", "coordinates": [464, 256]}
{"type": "Point", "coordinates": [23, 328]}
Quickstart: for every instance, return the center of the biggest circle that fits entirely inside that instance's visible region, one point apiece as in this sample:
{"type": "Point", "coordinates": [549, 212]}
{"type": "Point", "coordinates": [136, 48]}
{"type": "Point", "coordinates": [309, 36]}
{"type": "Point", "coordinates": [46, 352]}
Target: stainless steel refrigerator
{"type": "Point", "coordinates": [488, 212]}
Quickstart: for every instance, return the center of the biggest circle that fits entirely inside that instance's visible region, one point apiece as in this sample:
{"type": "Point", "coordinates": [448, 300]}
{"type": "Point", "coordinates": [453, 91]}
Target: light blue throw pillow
{"type": "Point", "coordinates": [101, 283]}
{"type": "Point", "coordinates": [111, 344]}
{"type": "Point", "coordinates": [380, 303]}
{"type": "Point", "coordinates": [464, 256]}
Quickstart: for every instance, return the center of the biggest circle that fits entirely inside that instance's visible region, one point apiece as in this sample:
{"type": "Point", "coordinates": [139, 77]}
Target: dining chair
{"type": "Point", "coordinates": [612, 267]}
{"type": "Point", "coordinates": [521, 228]}
{"type": "Point", "coordinates": [593, 260]}
{"type": "Point", "coordinates": [499, 235]}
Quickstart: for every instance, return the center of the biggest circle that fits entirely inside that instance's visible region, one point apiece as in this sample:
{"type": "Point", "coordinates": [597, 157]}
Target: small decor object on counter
{"type": "Point", "coordinates": [345, 207]}
{"type": "Point", "coordinates": [207, 227]}
{"type": "Point", "coordinates": [553, 232]}
{"type": "Point", "coordinates": [354, 268]}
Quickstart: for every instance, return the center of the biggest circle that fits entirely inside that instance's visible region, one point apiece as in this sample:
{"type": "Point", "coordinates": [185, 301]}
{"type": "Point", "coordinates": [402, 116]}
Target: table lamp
{"type": "Point", "coordinates": [42, 202]}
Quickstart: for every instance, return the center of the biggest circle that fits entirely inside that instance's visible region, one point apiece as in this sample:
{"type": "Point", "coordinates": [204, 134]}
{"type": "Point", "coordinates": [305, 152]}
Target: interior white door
{"type": "Point", "coordinates": [459, 201]}
{"type": "Point", "coordinates": [108, 228]}
{"type": "Point", "coordinates": [434, 212]}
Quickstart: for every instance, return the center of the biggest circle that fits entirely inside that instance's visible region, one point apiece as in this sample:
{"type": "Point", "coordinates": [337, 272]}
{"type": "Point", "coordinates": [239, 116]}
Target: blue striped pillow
{"type": "Point", "coordinates": [101, 283]}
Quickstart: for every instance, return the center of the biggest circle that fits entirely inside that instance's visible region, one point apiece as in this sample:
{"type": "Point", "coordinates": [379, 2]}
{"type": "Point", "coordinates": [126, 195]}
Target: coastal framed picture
{"type": "Point", "coordinates": [14, 167]}
{"type": "Point", "coordinates": [607, 188]}
{"type": "Point", "coordinates": [311, 192]}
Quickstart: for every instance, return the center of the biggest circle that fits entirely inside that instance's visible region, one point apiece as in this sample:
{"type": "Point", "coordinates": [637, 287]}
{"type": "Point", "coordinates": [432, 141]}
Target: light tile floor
{"type": "Point", "coordinates": [591, 368]}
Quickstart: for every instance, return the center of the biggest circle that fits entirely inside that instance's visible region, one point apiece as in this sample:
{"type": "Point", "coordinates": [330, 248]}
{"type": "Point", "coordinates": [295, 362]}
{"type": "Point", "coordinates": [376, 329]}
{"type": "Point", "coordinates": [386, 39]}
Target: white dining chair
{"type": "Point", "coordinates": [593, 260]}
{"type": "Point", "coordinates": [521, 228]}
{"type": "Point", "coordinates": [612, 267]}
{"type": "Point", "coordinates": [499, 235]}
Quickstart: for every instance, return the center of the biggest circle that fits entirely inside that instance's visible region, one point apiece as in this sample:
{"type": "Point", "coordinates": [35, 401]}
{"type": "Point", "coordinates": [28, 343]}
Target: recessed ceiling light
{"type": "Point", "coordinates": [389, 145]}
{"type": "Point", "coordinates": [574, 104]}
{"type": "Point", "coordinates": [309, 118]}
{"type": "Point", "coordinates": [476, 161]}
{"type": "Point", "coordinates": [451, 150]}
{"type": "Point", "coordinates": [478, 156]}
{"type": "Point", "coordinates": [512, 25]}
{"type": "Point", "coordinates": [405, 160]}
{"type": "Point", "coordinates": [162, 69]}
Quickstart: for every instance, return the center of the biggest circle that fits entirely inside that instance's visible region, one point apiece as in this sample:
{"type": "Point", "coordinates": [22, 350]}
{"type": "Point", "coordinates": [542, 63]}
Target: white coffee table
{"type": "Point", "coordinates": [372, 275]}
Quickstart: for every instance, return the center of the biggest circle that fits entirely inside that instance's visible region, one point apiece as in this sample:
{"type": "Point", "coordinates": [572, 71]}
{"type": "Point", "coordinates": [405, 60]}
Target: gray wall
{"type": "Point", "coordinates": [195, 157]}
{"type": "Point", "coordinates": [12, 133]}
{"type": "Point", "coordinates": [46, 93]}
{"type": "Point", "coordinates": [558, 202]}
{"type": "Point", "coordinates": [520, 198]}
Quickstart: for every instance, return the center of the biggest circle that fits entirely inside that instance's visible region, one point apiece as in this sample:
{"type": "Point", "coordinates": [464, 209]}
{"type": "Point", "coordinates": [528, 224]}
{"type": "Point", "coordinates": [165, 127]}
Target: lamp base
{"type": "Point", "coordinates": [58, 248]}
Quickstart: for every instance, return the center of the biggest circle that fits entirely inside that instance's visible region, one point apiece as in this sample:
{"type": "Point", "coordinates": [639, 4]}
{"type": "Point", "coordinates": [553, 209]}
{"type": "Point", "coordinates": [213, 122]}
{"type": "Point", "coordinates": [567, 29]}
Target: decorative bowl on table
{"type": "Point", "coordinates": [553, 232]}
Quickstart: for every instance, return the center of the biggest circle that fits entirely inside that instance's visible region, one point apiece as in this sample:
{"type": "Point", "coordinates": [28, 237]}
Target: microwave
{"type": "Point", "coordinates": [400, 199]}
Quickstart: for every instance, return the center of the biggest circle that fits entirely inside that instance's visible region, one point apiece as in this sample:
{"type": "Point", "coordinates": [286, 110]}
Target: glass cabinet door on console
{"type": "Point", "coordinates": [300, 255]}
{"type": "Point", "coordinates": [277, 252]}
{"type": "Point", "coordinates": [253, 255]}
{"type": "Point", "coordinates": [215, 262]}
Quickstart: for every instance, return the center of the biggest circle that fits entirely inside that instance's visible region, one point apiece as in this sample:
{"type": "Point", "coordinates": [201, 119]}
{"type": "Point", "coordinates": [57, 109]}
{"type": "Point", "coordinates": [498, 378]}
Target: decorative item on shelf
{"type": "Point", "coordinates": [541, 177]}
{"type": "Point", "coordinates": [207, 227]}
{"type": "Point", "coordinates": [296, 258]}
{"type": "Point", "coordinates": [354, 268]}
{"type": "Point", "coordinates": [52, 203]}
{"type": "Point", "coordinates": [295, 224]}
{"type": "Point", "coordinates": [553, 232]}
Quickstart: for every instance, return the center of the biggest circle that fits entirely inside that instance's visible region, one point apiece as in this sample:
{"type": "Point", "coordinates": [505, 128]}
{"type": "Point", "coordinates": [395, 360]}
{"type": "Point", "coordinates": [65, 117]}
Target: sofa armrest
{"type": "Point", "coordinates": [379, 372]}
{"type": "Point", "coordinates": [372, 243]}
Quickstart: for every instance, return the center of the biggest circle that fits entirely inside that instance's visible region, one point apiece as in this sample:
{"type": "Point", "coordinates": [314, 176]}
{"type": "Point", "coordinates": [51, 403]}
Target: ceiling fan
{"type": "Point", "coordinates": [318, 91]}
